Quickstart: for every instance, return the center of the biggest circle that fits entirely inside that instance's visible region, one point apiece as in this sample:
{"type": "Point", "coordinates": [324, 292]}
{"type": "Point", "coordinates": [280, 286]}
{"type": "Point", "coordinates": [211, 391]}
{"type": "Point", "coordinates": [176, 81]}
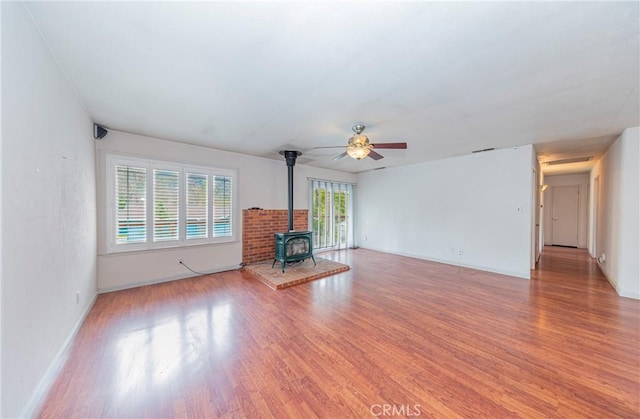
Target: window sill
{"type": "Point", "coordinates": [121, 252]}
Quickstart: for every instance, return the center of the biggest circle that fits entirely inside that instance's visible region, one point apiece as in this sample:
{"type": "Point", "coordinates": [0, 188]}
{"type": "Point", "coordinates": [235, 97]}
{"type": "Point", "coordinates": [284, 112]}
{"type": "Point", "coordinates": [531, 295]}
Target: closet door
{"type": "Point", "coordinates": [564, 216]}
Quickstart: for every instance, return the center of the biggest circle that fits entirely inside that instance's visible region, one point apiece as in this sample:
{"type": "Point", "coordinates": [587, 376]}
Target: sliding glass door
{"type": "Point", "coordinates": [331, 214]}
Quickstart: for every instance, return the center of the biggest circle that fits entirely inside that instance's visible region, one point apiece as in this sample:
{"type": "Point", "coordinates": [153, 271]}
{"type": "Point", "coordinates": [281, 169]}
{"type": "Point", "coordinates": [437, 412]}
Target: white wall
{"type": "Point", "coordinates": [480, 204]}
{"type": "Point", "coordinates": [629, 278]}
{"type": "Point", "coordinates": [261, 183]}
{"type": "Point", "coordinates": [0, 228]}
{"type": "Point", "coordinates": [582, 181]}
{"type": "Point", "coordinates": [48, 212]}
{"type": "Point", "coordinates": [618, 235]}
{"type": "Point", "coordinates": [536, 222]}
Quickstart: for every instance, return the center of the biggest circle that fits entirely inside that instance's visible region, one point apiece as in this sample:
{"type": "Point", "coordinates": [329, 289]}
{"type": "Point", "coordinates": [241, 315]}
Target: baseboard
{"type": "Point", "coordinates": [634, 295]}
{"type": "Point", "coordinates": [51, 373]}
{"type": "Point", "coordinates": [522, 275]}
{"type": "Point", "coordinates": [165, 279]}
{"type": "Point", "coordinates": [614, 284]}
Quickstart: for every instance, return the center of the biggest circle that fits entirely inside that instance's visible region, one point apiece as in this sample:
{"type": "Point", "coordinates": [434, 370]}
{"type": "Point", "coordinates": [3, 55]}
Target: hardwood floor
{"type": "Point", "coordinates": [393, 336]}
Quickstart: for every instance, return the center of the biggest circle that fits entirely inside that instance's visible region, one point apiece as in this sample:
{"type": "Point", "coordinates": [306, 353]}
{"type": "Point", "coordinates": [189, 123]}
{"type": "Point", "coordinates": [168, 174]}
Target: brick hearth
{"type": "Point", "coordinates": [258, 227]}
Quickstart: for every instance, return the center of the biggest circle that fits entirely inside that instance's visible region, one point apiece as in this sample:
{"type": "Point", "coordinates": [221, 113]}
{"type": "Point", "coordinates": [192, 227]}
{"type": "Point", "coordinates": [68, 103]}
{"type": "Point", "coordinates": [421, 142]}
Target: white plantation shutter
{"type": "Point", "coordinates": [165, 205]}
{"type": "Point", "coordinates": [222, 199]}
{"type": "Point", "coordinates": [131, 204]}
{"type": "Point", "coordinates": [157, 204]}
{"type": "Point", "coordinates": [197, 206]}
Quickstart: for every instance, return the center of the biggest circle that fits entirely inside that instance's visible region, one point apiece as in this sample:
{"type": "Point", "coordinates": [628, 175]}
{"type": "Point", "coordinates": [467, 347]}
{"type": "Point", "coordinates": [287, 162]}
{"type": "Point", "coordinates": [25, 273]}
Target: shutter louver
{"type": "Point", "coordinates": [197, 206]}
{"type": "Point", "coordinates": [131, 205]}
{"type": "Point", "coordinates": [165, 205]}
{"type": "Point", "coordinates": [222, 222]}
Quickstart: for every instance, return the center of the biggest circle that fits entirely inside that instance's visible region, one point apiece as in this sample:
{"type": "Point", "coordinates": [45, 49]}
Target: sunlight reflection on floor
{"type": "Point", "coordinates": [149, 358]}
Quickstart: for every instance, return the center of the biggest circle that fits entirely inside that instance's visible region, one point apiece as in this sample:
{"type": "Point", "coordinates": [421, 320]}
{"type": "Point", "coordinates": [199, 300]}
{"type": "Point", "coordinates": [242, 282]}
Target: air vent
{"type": "Point", "coordinates": [566, 161]}
{"type": "Point", "coordinates": [483, 150]}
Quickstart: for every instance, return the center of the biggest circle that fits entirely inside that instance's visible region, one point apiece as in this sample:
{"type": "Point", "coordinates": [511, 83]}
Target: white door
{"type": "Point", "coordinates": [564, 216]}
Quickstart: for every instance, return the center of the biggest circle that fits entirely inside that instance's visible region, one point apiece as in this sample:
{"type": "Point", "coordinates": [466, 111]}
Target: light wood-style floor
{"type": "Point", "coordinates": [393, 335]}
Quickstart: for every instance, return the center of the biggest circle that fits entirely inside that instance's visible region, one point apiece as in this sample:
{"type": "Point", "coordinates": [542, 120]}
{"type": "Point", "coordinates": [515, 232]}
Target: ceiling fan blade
{"type": "Point", "coordinates": [375, 155]}
{"type": "Point", "coordinates": [331, 146]}
{"type": "Point", "coordinates": [339, 156]}
{"type": "Point", "coordinates": [398, 146]}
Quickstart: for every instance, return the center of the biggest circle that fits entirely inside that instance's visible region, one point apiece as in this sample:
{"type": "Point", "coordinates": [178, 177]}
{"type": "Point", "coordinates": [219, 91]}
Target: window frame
{"type": "Point", "coordinates": [113, 160]}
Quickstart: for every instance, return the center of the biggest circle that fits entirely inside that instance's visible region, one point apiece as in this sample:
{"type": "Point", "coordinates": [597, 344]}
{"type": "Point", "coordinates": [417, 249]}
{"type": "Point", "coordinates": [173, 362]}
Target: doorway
{"type": "Point", "coordinates": [331, 210]}
{"type": "Point", "coordinates": [564, 215]}
{"type": "Point", "coordinates": [594, 218]}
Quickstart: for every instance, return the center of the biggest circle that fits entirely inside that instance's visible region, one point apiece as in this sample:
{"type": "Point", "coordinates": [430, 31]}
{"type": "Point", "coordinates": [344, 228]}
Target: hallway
{"type": "Point", "coordinates": [568, 267]}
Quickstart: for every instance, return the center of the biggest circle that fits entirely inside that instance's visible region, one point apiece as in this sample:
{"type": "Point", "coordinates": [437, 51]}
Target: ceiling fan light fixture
{"type": "Point", "coordinates": [358, 152]}
{"type": "Point", "coordinates": [359, 140]}
{"type": "Point", "coordinates": [359, 146]}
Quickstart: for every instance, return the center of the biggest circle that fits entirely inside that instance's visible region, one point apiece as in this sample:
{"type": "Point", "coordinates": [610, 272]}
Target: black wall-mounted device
{"type": "Point", "coordinates": [99, 132]}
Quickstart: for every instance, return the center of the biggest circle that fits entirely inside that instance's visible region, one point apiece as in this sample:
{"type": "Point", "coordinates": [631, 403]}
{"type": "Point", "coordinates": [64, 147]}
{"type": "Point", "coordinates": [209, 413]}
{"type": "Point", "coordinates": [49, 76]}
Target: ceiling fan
{"type": "Point", "coordinates": [359, 146]}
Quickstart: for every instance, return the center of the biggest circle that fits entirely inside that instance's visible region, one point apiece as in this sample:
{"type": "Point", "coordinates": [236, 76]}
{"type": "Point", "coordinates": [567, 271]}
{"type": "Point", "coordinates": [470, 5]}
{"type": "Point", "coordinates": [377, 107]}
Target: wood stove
{"type": "Point", "coordinates": [292, 246]}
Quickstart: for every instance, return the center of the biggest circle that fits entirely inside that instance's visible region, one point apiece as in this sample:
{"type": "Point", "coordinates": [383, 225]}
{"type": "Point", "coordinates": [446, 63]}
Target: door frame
{"type": "Point", "coordinates": [535, 221]}
{"type": "Point", "coordinates": [595, 207]}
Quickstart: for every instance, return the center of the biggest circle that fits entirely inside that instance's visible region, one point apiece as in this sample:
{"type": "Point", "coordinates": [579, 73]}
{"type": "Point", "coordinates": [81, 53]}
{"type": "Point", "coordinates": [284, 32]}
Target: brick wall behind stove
{"type": "Point", "coordinates": [258, 227]}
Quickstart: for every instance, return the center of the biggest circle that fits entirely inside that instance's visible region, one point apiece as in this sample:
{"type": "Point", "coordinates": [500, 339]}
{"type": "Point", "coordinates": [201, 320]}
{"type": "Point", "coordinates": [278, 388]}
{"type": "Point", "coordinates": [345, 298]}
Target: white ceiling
{"type": "Point", "coordinates": [448, 78]}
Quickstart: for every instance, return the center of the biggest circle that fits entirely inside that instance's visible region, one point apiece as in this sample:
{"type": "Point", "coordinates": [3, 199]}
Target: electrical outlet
{"type": "Point", "coordinates": [460, 252]}
{"type": "Point", "coordinates": [365, 238]}
{"type": "Point", "coordinates": [179, 261]}
{"type": "Point", "coordinates": [77, 297]}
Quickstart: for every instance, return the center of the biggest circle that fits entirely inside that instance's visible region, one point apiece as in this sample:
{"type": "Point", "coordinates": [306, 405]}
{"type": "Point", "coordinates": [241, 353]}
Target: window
{"type": "Point", "coordinates": [331, 214]}
{"type": "Point", "coordinates": [155, 204]}
{"type": "Point", "coordinates": [165, 205]}
{"type": "Point", "coordinates": [131, 211]}
{"type": "Point", "coordinates": [197, 206]}
{"type": "Point", "coordinates": [222, 206]}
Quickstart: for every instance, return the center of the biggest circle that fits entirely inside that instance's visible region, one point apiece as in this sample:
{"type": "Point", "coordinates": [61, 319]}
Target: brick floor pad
{"type": "Point", "coordinates": [297, 273]}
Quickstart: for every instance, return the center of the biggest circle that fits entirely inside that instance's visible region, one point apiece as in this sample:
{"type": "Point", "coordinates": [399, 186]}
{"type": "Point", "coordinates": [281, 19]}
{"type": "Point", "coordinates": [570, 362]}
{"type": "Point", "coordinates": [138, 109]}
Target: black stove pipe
{"type": "Point", "coordinates": [290, 157]}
